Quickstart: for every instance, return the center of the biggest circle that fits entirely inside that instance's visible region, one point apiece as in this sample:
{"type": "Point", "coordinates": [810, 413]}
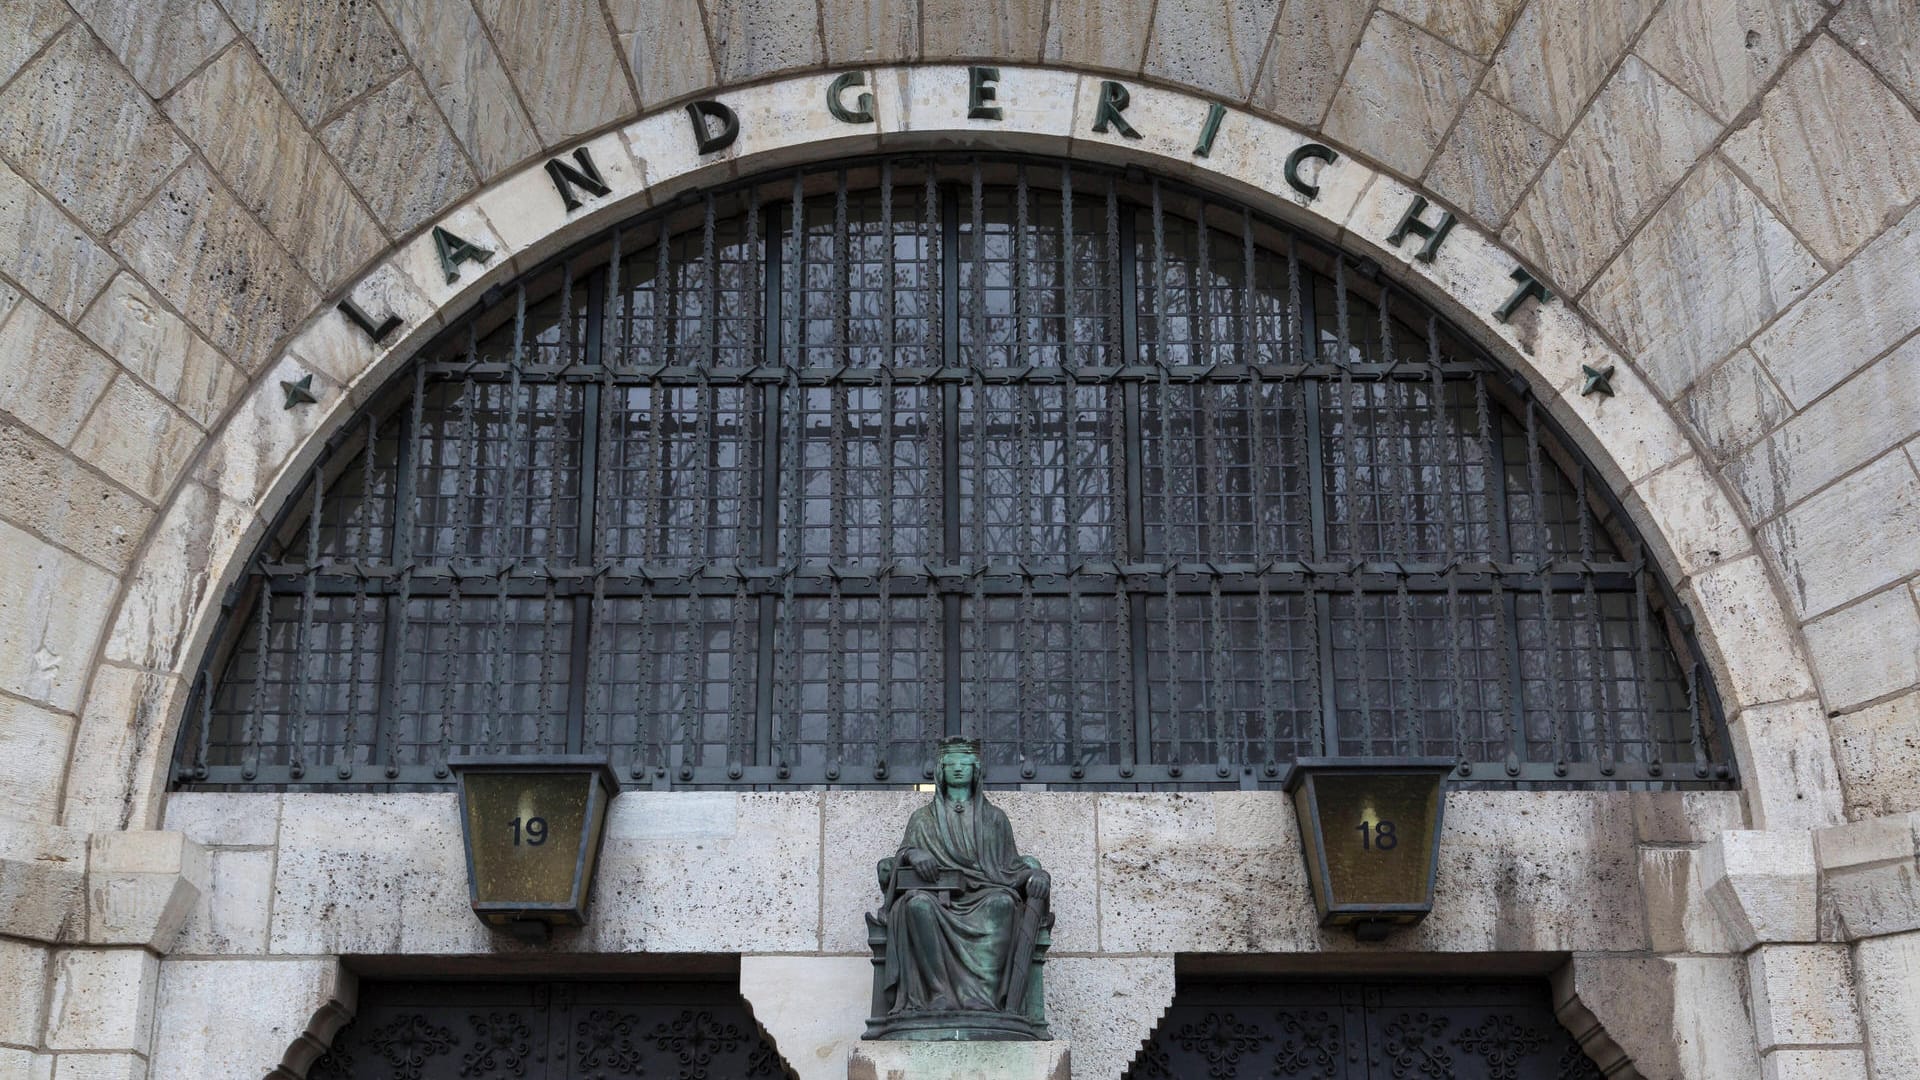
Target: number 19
{"type": "Point", "coordinates": [536, 831]}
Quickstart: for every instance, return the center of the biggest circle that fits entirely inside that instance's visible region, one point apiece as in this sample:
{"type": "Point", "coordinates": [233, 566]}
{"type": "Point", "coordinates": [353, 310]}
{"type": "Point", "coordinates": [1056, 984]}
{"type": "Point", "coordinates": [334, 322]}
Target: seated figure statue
{"type": "Point", "coordinates": [964, 916]}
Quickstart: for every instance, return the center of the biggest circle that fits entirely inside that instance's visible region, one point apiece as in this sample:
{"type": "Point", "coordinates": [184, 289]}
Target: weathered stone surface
{"type": "Point", "coordinates": [206, 1037]}
{"type": "Point", "coordinates": [1870, 876]}
{"type": "Point", "coordinates": [42, 882]}
{"type": "Point", "coordinates": [1491, 157]}
{"type": "Point", "coordinates": [34, 743]}
{"type": "Point", "coordinates": [1680, 1017]}
{"type": "Point", "coordinates": [1471, 26]}
{"type": "Point", "coordinates": [102, 999]}
{"type": "Point", "coordinates": [869, 33]}
{"type": "Point", "coordinates": [65, 502]}
{"type": "Point", "coordinates": [233, 916]}
{"type": "Point", "coordinates": [1210, 45]}
{"type": "Point", "coordinates": [994, 30]}
{"type": "Point", "coordinates": [1764, 885]}
{"type": "Point", "coordinates": [1878, 749]}
{"type": "Point", "coordinates": [1733, 404]}
{"type": "Point", "coordinates": [562, 57]}
{"type": "Point", "coordinates": [1400, 94]}
{"type": "Point", "coordinates": [760, 37]}
{"type": "Point", "coordinates": [24, 28]}
{"type": "Point", "coordinates": [46, 252]}
{"type": "Point", "coordinates": [50, 377]}
{"type": "Point", "coordinates": [344, 354]}
{"type": "Point", "coordinates": [1833, 148]}
{"type": "Point", "coordinates": [323, 52]}
{"type": "Point", "coordinates": [1312, 45]}
{"type": "Point", "coordinates": [1639, 138]}
{"type": "Point", "coordinates": [141, 886]}
{"type": "Point", "coordinates": [1787, 767]}
{"type": "Point", "coordinates": [52, 609]}
{"type": "Point", "coordinates": [23, 971]}
{"type": "Point", "coordinates": [121, 749]}
{"type": "Point", "coordinates": [449, 45]}
{"type": "Point", "coordinates": [1802, 994]}
{"type": "Point", "coordinates": [160, 43]}
{"type": "Point", "coordinates": [1760, 659]}
{"type": "Point", "coordinates": [1109, 34]}
{"type": "Point", "coordinates": [201, 251]}
{"type": "Point", "coordinates": [153, 343]}
{"type": "Point", "coordinates": [1723, 51]}
{"type": "Point", "coordinates": [1885, 33]}
{"type": "Point", "coordinates": [225, 819]}
{"type": "Point", "coordinates": [1888, 972]}
{"type": "Point", "coordinates": [1105, 1007]}
{"type": "Point", "coordinates": [127, 1066]}
{"type": "Point", "coordinates": [814, 1007]}
{"type": "Point", "coordinates": [1816, 546]}
{"type": "Point", "coordinates": [198, 537]}
{"type": "Point", "coordinates": [1558, 53]}
{"type": "Point", "coordinates": [255, 141]}
{"type": "Point", "coordinates": [138, 439]}
{"type": "Point", "coordinates": [1823, 1063]}
{"type": "Point", "coordinates": [400, 154]}
{"type": "Point", "coordinates": [1684, 817]}
{"type": "Point", "coordinates": [1679, 918]}
{"type": "Point", "coordinates": [958, 1061]}
{"type": "Point", "coordinates": [1866, 307]}
{"type": "Point", "coordinates": [1700, 527]}
{"type": "Point", "coordinates": [1867, 650]}
{"type": "Point", "coordinates": [75, 123]}
{"type": "Point", "coordinates": [1703, 274]}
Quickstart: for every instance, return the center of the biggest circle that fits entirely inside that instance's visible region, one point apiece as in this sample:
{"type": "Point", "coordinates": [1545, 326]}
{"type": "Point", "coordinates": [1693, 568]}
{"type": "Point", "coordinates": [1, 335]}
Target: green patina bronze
{"type": "Point", "coordinates": [963, 924]}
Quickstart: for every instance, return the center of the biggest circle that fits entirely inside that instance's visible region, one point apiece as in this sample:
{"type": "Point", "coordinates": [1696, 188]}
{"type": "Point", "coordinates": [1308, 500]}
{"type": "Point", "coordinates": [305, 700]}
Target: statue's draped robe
{"type": "Point", "coordinates": [952, 955]}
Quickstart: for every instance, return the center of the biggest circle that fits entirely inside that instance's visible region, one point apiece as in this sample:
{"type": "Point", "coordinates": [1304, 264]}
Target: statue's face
{"type": "Point", "coordinates": [957, 770]}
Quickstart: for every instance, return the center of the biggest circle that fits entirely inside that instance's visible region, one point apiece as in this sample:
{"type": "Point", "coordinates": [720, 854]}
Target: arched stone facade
{"type": "Point", "coordinates": [1727, 220]}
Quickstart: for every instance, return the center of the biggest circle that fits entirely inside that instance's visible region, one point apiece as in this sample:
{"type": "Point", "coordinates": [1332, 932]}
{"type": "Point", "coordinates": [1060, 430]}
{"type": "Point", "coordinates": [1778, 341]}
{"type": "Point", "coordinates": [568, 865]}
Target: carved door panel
{"type": "Point", "coordinates": [1229, 1030]}
{"type": "Point", "coordinates": [549, 1031]}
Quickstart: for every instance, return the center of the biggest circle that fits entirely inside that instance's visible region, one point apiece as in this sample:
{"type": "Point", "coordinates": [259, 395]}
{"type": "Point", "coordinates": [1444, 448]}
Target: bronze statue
{"type": "Point", "coordinates": [963, 925]}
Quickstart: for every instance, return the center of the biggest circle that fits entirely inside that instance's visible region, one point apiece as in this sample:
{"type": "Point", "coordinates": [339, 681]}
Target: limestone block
{"type": "Point", "coordinates": [141, 887]}
{"type": "Point", "coordinates": [1471, 27]}
{"type": "Point", "coordinates": [1833, 148]}
{"type": "Point", "coordinates": [1472, 272]}
{"type": "Point", "coordinates": [1400, 94]}
{"type": "Point", "coordinates": [1680, 1017]}
{"type": "Point", "coordinates": [1878, 749]}
{"type": "Point", "coordinates": [1733, 404]}
{"type": "Point", "coordinates": [665, 74]}
{"type": "Point", "coordinates": [1108, 34]}
{"type": "Point", "coordinates": [159, 43]}
{"type": "Point", "coordinates": [23, 971]}
{"type": "Point", "coordinates": [42, 881]}
{"type": "Point", "coordinates": [958, 1061]}
{"type": "Point", "coordinates": [761, 37]}
{"type": "Point", "coordinates": [137, 438]}
{"type": "Point", "coordinates": [1888, 973]}
{"type": "Point", "coordinates": [25, 1065]}
{"type": "Point", "coordinates": [324, 54]}
{"type": "Point", "coordinates": [1488, 161]}
{"type": "Point", "coordinates": [1032, 101]}
{"type": "Point", "coordinates": [1639, 138]}
{"type": "Point", "coordinates": [225, 819]}
{"type": "Point", "coordinates": [44, 250]}
{"type": "Point", "coordinates": [1870, 876]}
{"type": "Point", "coordinates": [1705, 272]}
{"type": "Point", "coordinates": [1802, 994]}
{"type": "Point", "coordinates": [34, 748]}
{"type": "Point", "coordinates": [253, 138]}
{"type": "Point", "coordinates": [813, 1007]}
{"type": "Point", "coordinates": [399, 154]}
{"type": "Point", "coordinates": [262, 436]}
{"type": "Point", "coordinates": [68, 503]}
{"type": "Point", "coordinates": [1817, 546]}
{"type": "Point", "coordinates": [1106, 1007]}
{"type": "Point", "coordinates": [24, 28]}
{"type": "Point", "coordinates": [233, 915]}
{"type": "Point", "coordinates": [1870, 412]}
{"type": "Point", "coordinates": [122, 747]}
{"type": "Point", "coordinates": [52, 609]}
{"type": "Point", "coordinates": [103, 999]}
{"type": "Point", "coordinates": [1763, 884]}
{"type": "Point", "coordinates": [50, 377]}
{"type": "Point", "coordinates": [1558, 52]}
{"type": "Point", "coordinates": [1866, 651]}
{"type": "Point", "coordinates": [463, 73]}
{"type": "Point", "coordinates": [74, 122]}
{"type": "Point", "coordinates": [1679, 918]}
{"type": "Point", "coordinates": [177, 580]}
{"type": "Point", "coordinates": [1724, 51]}
{"type": "Point", "coordinates": [419, 260]}
{"type": "Point", "coordinates": [206, 256]}
{"type": "Point", "coordinates": [1699, 526]}
{"type": "Point", "coordinates": [129, 324]}
{"type": "Point", "coordinates": [1675, 817]}
{"type": "Point", "coordinates": [100, 1067]}
{"type": "Point", "coordinates": [1786, 760]}
{"type": "Point", "coordinates": [1212, 47]}
{"type": "Point", "coordinates": [1637, 432]}
{"type": "Point", "coordinates": [1820, 1064]}
{"type": "Point", "coordinates": [996, 30]}
{"type": "Point", "coordinates": [1869, 304]}
{"type": "Point", "coordinates": [782, 123]}
{"type": "Point", "coordinates": [1881, 31]}
{"type": "Point", "coordinates": [1249, 160]}
{"type": "Point", "coordinates": [709, 872]}
{"type": "Point", "coordinates": [296, 1005]}
{"type": "Point", "coordinates": [1312, 45]}
{"type": "Point", "coordinates": [1759, 658]}
{"type": "Point", "coordinates": [562, 57]}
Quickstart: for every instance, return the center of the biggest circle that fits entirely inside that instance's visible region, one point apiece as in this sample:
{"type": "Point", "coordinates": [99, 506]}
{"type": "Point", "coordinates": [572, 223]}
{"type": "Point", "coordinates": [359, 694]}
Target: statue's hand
{"type": "Point", "coordinates": [923, 864]}
{"type": "Point", "coordinates": [1039, 883]}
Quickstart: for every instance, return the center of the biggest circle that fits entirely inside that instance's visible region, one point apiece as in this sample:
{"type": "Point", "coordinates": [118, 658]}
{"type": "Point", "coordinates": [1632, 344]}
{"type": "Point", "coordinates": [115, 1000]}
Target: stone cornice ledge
{"type": "Point", "coordinates": [62, 886]}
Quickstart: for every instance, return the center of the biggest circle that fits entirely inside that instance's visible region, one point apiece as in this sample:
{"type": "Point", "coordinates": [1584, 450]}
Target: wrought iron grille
{"type": "Point", "coordinates": [778, 485]}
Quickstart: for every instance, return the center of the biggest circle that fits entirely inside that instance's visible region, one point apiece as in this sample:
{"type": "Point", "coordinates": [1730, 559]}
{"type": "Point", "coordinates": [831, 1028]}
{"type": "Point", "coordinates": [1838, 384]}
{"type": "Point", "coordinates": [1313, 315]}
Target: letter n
{"type": "Point", "coordinates": [586, 177]}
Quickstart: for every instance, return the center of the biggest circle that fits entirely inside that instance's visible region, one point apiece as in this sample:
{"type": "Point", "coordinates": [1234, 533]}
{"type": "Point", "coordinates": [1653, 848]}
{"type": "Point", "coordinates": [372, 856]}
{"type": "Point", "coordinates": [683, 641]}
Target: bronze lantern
{"type": "Point", "coordinates": [532, 829]}
{"type": "Point", "coordinates": [1370, 830]}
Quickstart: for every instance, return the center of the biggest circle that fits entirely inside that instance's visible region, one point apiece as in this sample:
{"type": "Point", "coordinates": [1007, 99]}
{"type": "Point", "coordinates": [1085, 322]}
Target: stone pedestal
{"type": "Point", "coordinates": [902, 1060]}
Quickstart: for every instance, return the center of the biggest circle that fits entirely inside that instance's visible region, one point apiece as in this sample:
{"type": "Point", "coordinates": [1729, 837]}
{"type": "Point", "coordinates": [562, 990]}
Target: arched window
{"type": "Point", "coordinates": [781, 483]}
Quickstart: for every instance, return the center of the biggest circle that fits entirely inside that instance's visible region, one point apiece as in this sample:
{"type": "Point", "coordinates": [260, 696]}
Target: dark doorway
{"type": "Point", "coordinates": [1301, 1030]}
{"type": "Point", "coordinates": [676, 1030]}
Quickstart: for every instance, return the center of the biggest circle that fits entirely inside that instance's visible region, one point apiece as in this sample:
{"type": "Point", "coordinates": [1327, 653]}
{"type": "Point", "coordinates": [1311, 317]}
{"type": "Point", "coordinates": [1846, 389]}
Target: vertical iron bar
{"type": "Point", "coordinates": [256, 708]}
{"type": "Point", "coordinates": [766, 237]}
{"type": "Point", "coordinates": [1553, 656]}
{"type": "Point", "coordinates": [303, 648]}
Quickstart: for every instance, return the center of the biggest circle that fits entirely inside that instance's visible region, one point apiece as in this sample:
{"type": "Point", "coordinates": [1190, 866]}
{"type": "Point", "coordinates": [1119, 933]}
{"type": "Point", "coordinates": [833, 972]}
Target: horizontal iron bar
{"type": "Point", "coordinates": [681, 375]}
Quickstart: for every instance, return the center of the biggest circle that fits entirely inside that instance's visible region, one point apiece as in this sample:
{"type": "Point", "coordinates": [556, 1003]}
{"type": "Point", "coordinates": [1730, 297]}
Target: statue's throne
{"type": "Point", "coordinates": [956, 1025]}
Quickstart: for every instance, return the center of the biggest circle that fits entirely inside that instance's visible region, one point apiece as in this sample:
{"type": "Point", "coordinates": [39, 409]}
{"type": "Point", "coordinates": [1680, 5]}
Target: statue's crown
{"type": "Point", "coordinates": [959, 746]}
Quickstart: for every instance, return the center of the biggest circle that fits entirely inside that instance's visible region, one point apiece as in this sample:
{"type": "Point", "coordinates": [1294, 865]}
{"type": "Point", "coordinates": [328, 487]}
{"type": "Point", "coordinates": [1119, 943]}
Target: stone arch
{"type": "Point", "coordinates": [167, 611]}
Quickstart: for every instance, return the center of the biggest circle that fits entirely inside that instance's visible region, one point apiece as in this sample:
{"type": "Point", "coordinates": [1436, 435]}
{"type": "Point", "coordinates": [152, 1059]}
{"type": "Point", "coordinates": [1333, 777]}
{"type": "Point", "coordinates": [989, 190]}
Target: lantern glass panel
{"type": "Point", "coordinates": [1378, 831]}
{"type": "Point", "coordinates": [526, 832]}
